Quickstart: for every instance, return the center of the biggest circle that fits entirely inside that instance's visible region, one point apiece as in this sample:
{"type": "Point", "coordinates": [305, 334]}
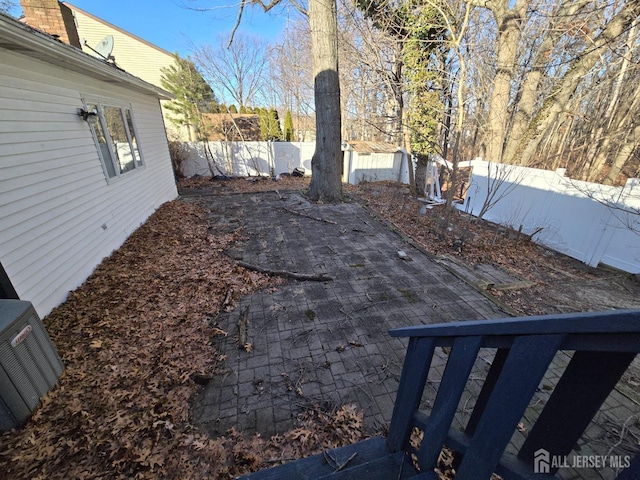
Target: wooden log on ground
{"type": "Point", "coordinates": [285, 273]}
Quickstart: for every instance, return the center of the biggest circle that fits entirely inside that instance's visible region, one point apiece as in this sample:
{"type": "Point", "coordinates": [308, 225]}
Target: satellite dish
{"type": "Point", "coordinates": [105, 47]}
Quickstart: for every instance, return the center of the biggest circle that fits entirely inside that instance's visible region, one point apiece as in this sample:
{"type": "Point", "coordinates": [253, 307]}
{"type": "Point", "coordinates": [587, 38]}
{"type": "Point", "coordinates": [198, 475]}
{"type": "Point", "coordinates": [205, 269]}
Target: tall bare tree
{"type": "Point", "coordinates": [373, 87]}
{"type": "Point", "coordinates": [235, 71]}
{"type": "Point", "coordinates": [558, 69]}
{"type": "Point", "coordinates": [566, 87]}
{"type": "Point", "coordinates": [326, 163]}
{"type": "Point", "coordinates": [508, 18]}
{"type": "Point", "coordinates": [534, 77]}
{"type": "Point", "coordinates": [292, 73]}
{"type": "Point", "coordinates": [455, 19]}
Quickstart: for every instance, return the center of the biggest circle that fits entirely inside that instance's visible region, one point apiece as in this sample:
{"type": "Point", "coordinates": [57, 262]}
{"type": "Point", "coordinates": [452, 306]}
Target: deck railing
{"type": "Point", "coordinates": [601, 345]}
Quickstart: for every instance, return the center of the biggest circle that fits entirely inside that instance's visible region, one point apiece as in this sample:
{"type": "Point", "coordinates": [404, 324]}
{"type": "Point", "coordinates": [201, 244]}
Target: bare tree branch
{"type": "Point", "coordinates": [237, 24]}
{"type": "Point", "coordinates": [266, 7]}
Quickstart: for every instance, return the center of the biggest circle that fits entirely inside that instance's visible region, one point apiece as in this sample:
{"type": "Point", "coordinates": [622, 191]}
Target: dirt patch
{"type": "Point", "coordinates": [205, 185]}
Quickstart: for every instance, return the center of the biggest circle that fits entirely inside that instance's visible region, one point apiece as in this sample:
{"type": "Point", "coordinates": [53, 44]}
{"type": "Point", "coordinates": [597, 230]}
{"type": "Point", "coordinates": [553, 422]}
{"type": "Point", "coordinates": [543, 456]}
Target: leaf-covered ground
{"type": "Point", "coordinates": [560, 284]}
{"type": "Point", "coordinates": [133, 338]}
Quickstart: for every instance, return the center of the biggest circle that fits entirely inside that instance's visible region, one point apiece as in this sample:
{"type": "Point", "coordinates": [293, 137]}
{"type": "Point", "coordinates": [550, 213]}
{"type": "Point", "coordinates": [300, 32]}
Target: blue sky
{"type": "Point", "coordinates": [174, 27]}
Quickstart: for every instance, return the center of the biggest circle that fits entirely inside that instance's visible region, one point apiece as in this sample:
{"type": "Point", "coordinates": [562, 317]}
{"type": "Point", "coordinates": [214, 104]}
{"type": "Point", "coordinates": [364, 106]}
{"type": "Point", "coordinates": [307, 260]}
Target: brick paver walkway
{"type": "Point", "coordinates": [324, 344]}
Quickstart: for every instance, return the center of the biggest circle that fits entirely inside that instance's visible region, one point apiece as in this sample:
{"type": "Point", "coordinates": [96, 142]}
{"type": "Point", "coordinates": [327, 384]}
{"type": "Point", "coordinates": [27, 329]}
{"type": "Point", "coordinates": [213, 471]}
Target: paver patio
{"type": "Point", "coordinates": [324, 344]}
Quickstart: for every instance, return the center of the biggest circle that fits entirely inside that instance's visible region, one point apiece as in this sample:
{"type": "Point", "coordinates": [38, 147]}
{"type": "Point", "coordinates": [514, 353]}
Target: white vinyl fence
{"type": "Point", "coordinates": [375, 167]}
{"type": "Point", "coordinates": [273, 158]}
{"type": "Point", "coordinates": [248, 158]}
{"type": "Point", "coordinates": [590, 222]}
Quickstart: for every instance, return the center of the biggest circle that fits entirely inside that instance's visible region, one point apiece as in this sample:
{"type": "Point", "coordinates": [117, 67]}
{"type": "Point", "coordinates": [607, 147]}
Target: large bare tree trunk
{"type": "Point", "coordinates": [564, 91]}
{"type": "Point", "coordinates": [398, 92]}
{"type": "Point", "coordinates": [624, 154]}
{"type": "Point", "coordinates": [460, 93]}
{"type": "Point", "coordinates": [526, 106]}
{"type": "Point", "coordinates": [456, 38]}
{"type": "Point", "coordinates": [509, 21]}
{"type": "Point", "coordinates": [326, 163]}
{"type": "Point", "coordinates": [604, 132]}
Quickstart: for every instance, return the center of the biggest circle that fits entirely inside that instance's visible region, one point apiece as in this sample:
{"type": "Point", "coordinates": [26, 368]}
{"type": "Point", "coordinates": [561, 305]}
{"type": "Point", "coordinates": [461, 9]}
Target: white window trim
{"type": "Point", "coordinates": [101, 103]}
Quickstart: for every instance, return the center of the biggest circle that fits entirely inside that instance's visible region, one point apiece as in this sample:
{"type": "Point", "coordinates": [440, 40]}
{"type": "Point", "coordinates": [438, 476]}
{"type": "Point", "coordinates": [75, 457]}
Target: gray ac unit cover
{"type": "Point", "coordinates": [29, 363]}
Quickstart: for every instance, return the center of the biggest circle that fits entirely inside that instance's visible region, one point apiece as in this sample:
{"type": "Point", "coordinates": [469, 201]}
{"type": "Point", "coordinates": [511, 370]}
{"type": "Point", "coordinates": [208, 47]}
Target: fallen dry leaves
{"type": "Point", "coordinates": [471, 242]}
{"type": "Point", "coordinates": [460, 235]}
{"type": "Point", "coordinates": [134, 340]}
{"type": "Point", "coordinates": [249, 184]}
{"type": "Point", "coordinates": [560, 284]}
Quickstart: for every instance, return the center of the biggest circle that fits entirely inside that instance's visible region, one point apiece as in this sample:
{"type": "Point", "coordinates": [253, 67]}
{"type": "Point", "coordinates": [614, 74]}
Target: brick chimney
{"type": "Point", "coordinates": [52, 17]}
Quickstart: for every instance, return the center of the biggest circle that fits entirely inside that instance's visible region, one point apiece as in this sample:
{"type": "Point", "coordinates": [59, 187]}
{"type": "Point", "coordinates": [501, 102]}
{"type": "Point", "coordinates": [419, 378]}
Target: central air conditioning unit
{"type": "Point", "coordinates": [29, 363]}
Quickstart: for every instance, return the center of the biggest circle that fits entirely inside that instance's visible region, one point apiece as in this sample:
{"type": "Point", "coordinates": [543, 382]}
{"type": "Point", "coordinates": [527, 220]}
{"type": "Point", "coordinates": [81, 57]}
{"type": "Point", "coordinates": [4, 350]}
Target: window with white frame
{"type": "Point", "coordinates": [116, 138]}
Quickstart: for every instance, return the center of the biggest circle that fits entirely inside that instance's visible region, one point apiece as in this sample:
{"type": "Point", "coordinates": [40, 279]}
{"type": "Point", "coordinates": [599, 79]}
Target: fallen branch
{"type": "Point", "coordinates": [281, 460]}
{"type": "Point", "coordinates": [243, 325]}
{"type": "Point", "coordinates": [227, 298]}
{"type": "Point", "coordinates": [285, 273]}
{"type": "Point", "coordinates": [318, 219]}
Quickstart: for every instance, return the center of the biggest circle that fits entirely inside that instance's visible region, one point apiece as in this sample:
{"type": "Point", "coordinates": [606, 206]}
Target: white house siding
{"type": "Point", "coordinates": [131, 53]}
{"type": "Point", "coordinates": [54, 197]}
